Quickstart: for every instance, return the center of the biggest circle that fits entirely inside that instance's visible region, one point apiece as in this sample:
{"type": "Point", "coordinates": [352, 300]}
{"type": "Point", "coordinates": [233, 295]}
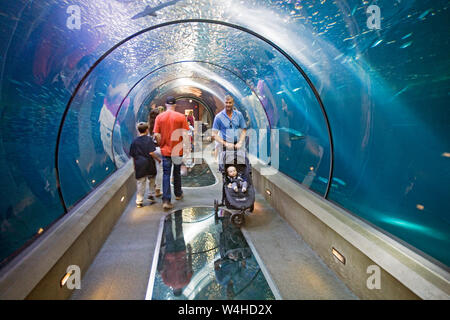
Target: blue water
{"type": "Point", "coordinates": [385, 93]}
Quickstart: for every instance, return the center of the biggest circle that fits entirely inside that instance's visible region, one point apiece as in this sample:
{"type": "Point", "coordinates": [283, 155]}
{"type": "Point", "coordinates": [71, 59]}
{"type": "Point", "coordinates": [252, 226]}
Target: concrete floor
{"type": "Point", "coordinates": [121, 269]}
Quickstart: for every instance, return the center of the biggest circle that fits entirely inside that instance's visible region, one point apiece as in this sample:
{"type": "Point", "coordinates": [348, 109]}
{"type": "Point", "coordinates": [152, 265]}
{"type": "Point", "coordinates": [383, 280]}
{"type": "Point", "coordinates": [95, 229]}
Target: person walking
{"type": "Point", "coordinates": [142, 150]}
{"type": "Point", "coordinates": [190, 118]}
{"type": "Point", "coordinates": [169, 138]}
{"type": "Point", "coordinates": [229, 127]}
{"type": "Point", "coordinates": [159, 169]}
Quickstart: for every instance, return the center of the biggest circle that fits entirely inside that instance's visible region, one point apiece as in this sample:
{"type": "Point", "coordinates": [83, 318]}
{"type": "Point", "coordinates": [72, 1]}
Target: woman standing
{"type": "Point", "coordinates": [159, 170]}
{"type": "Point", "coordinates": [190, 118]}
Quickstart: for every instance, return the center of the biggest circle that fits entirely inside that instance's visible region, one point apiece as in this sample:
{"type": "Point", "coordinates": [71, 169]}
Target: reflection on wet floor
{"type": "Point", "coordinates": [199, 175]}
{"type": "Point", "coordinates": [206, 259]}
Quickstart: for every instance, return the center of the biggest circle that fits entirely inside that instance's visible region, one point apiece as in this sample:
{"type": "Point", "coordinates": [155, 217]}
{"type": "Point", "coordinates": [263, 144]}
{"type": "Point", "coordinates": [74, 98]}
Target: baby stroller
{"type": "Point", "coordinates": [238, 202]}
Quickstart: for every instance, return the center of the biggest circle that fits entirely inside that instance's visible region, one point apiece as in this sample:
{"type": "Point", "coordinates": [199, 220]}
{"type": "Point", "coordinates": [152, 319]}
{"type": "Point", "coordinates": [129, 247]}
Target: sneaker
{"type": "Point", "coordinates": [151, 199]}
{"type": "Point", "coordinates": [180, 197]}
{"type": "Point", "coordinates": [167, 205]}
{"type": "Point", "coordinates": [158, 193]}
{"type": "Point", "coordinates": [139, 205]}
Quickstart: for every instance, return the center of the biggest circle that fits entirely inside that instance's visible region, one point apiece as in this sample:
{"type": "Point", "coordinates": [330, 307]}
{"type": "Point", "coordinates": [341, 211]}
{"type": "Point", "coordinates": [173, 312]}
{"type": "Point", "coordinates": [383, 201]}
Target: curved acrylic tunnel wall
{"type": "Point", "coordinates": [385, 92]}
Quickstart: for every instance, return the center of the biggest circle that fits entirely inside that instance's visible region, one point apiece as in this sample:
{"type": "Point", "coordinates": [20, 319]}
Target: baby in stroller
{"type": "Point", "coordinates": [236, 173]}
{"type": "Point", "coordinates": [236, 180]}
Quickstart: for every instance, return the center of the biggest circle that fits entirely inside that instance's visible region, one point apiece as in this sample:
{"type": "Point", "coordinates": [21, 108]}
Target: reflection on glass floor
{"type": "Point", "coordinates": [204, 259]}
{"type": "Point", "coordinates": [199, 175]}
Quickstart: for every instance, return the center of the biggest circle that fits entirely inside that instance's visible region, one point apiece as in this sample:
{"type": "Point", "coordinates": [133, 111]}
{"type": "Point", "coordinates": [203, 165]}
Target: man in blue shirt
{"type": "Point", "coordinates": [229, 127]}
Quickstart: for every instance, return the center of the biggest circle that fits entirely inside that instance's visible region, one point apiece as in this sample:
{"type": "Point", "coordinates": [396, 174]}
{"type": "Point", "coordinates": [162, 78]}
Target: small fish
{"type": "Point", "coordinates": [149, 11]}
{"type": "Point", "coordinates": [407, 36]}
{"type": "Point", "coordinates": [406, 45]}
{"type": "Point", "coordinates": [339, 181]}
{"type": "Point", "coordinates": [377, 43]}
{"type": "Point", "coordinates": [292, 131]}
{"type": "Point", "coordinates": [401, 91]}
{"type": "Point", "coordinates": [339, 56]}
{"type": "Point", "coordinates": [423, 15]}
{"type": "Point", "coordinates": [322, 179]}
{"type": "Point", "coordinates": [15, 82]}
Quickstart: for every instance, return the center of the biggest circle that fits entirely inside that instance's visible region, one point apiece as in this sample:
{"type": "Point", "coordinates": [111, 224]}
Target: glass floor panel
{"type": "Point", "coordinates": [204, 258]}
{"type": "Point", "coordinates": [199, 175]}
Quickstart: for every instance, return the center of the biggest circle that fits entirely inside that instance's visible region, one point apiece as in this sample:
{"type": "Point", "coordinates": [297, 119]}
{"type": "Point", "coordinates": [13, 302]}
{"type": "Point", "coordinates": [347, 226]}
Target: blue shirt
{"type": "Point", "coordinates": [229, 129]}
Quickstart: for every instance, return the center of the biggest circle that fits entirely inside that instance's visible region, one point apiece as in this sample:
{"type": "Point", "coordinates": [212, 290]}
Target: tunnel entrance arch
{"type": "Point", "coordinates": [186, 21]}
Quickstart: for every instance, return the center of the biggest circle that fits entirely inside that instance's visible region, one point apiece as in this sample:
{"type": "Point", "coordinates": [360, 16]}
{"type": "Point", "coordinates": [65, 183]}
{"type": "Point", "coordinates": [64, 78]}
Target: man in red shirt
{"type": "Point", "coordinates": [170, 127]}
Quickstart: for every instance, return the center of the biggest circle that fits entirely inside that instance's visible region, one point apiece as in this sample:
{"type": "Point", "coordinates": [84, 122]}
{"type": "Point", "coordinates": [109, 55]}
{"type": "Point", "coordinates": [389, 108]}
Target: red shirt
{"type": "Point", "coordinates": [176, 273]}
{"type": "Point", "coordinates": [165, 124]}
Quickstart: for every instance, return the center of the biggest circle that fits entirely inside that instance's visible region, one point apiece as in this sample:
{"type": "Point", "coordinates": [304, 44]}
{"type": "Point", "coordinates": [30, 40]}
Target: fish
{"type": "Point", "coordinates": [293, 134]}
{"type": "Point", "coordinates": [339, 56]}
{"type": "Point", "coordinates": [339, 181]}
{"type": "Point", "coordinates": [15, 82]}
{"type": "Point", "coordinates": [407, 36]}
{"type": "Point", "coordinates": [377, 43]}
{"type": "Point", "coordinates": [322, 179]}
{"type": "Point", "coordinates": [423, 15]}
{"type": "Point", "coordinates": [401, 91]}
{"type": "Point", "coordinates": [149, 11]}
{"type": "Point", "coordinates": [406, 45]}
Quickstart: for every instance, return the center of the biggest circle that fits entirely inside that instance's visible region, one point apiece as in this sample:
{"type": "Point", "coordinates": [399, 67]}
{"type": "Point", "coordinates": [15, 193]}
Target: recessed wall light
{"type": "Point", "coordinates": [269, 193]}
{"type": "Point", "coordinates": [65, 278]}
{"type": "Point", "coordinates": [338, 255]}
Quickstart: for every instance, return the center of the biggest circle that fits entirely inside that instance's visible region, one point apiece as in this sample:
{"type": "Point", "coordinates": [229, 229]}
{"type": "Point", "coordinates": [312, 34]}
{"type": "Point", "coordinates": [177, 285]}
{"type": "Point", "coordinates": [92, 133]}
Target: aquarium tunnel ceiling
{"type": "Point", "coordinates": [356, 91]}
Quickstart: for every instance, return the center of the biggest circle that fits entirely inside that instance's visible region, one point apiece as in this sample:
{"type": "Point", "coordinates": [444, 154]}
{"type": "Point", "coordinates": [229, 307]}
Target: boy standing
{"type": "Point", "coordinates": [143, 152]}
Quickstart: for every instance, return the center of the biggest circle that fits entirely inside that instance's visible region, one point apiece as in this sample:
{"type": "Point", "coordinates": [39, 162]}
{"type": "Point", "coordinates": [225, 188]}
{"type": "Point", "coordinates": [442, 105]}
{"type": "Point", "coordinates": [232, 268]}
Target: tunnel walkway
{"type": "Point", "coordinates": [121, 270]}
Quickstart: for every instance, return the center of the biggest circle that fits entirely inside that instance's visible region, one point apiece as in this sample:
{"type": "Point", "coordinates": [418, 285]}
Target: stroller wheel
{"type": "Point", "coordinates": [237, 219]}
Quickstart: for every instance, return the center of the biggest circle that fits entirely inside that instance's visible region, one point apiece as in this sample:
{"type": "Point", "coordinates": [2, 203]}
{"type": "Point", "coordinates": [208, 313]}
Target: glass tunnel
{"type": "Point", "coordinates": [359, 99]}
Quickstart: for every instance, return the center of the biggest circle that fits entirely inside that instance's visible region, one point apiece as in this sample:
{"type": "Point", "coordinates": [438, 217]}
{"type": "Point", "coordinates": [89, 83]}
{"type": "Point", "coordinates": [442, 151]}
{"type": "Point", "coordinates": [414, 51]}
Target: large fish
{"type": "Point", "coordinates": [149, 11]}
